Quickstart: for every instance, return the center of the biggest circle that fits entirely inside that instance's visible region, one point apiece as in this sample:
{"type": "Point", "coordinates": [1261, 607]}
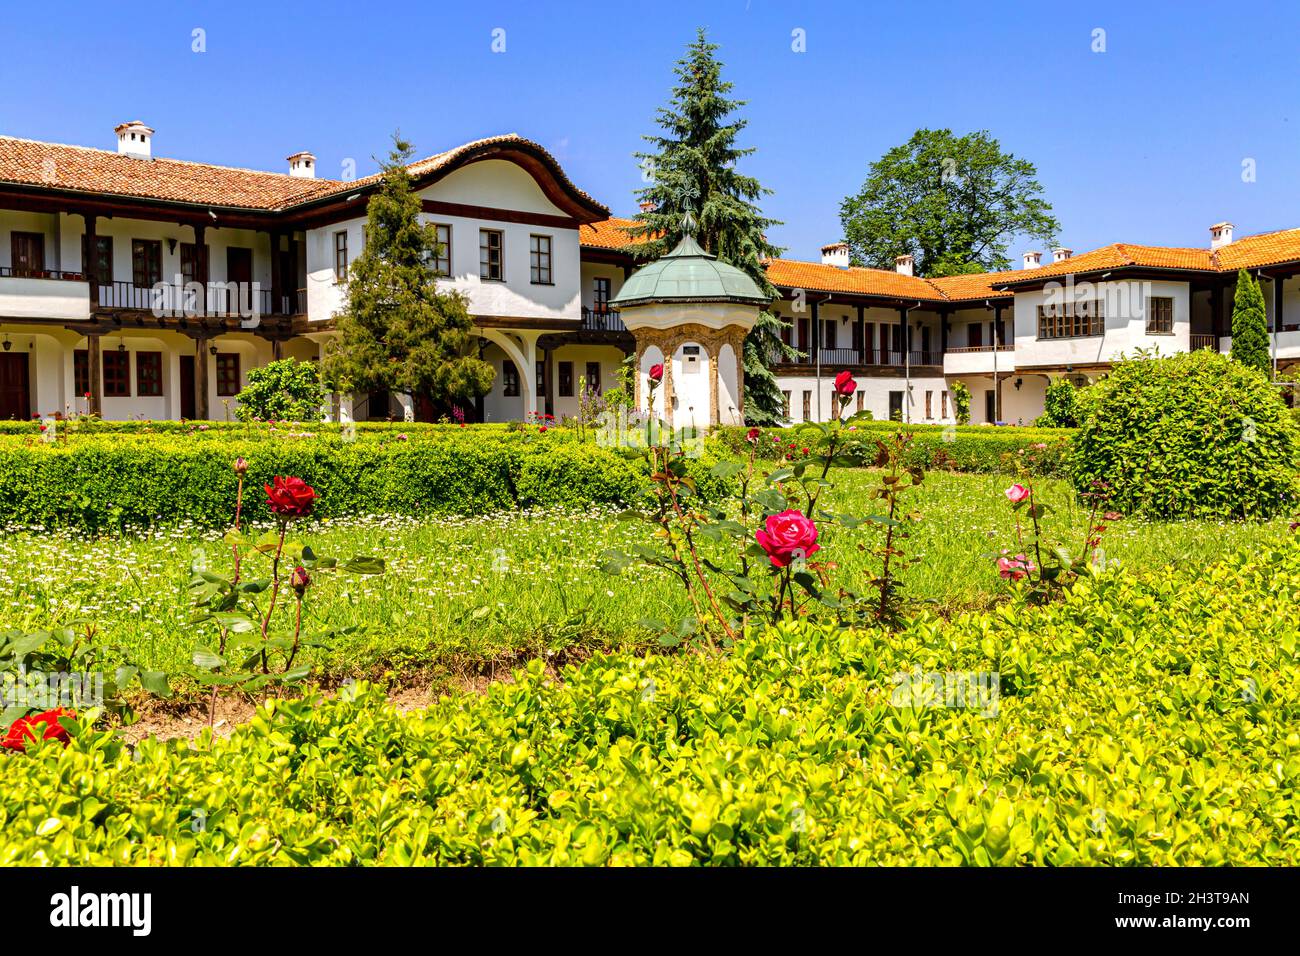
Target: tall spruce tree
{"type": "Point", "coordinates": [1249, 324]}
{"type": "Point", "coordinates": [693, 166]}
{"type": "Point", "coordinates": [397, 331]}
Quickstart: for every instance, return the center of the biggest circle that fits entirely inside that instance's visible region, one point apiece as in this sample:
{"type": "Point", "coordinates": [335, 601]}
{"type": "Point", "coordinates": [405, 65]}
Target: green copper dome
{"type": "Point", "coordinates": [688, 274]}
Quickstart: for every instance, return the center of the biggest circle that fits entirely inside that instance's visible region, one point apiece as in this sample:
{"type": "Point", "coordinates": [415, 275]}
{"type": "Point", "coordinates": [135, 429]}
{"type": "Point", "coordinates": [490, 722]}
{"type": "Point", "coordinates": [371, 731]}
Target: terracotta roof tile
{"type": "Point", "coordinates": [82, 169]}
{"type": "Point", "coordinates": [816, 277]}
{"type": "Point", "coordinates": [607, 234]}
{"type": "Point", "coordinates": [1266, 249]}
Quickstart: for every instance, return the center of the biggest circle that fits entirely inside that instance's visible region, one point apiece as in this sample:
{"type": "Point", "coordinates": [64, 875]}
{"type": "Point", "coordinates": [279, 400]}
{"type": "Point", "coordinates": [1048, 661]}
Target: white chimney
{"type": "Point", "coordinates": [836, 254]}
{"type": "Point", "coordinates": [1032, 260]}
{"type": "Point", "coordinates": [133, 139]}
{"type": "Point", "coordinates": [302, 165]}
{"type": "Point", "coordinates": [903, 265]}
{"type": "Point", "coordinates": [1060, 254]}
{"type": "Point", "coordinates": [1220, 235]}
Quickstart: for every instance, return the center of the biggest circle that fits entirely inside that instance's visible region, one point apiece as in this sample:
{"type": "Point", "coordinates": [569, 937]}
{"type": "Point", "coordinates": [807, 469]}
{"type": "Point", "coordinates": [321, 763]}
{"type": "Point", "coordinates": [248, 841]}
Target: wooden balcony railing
{"type": "Point", "coordinates": [885, 357]}
{"type": "Point", "coordinates": [6, 272]}
{"type": "Point", "coordinates": [218, 300]}
{"type": "Point", "coordinates": [1199, 341]}
{"type": "Point", "coordinates": [602, 320]}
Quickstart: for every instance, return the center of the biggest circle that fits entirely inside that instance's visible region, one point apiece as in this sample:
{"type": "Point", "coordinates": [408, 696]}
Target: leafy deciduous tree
{"type": "Point", "coordinates": [952, 202]}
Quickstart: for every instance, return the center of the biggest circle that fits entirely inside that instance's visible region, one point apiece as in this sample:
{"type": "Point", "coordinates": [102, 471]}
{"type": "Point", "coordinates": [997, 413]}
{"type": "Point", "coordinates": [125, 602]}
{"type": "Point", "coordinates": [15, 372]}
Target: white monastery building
{"type": "Point", "coordinates": [135, 286]}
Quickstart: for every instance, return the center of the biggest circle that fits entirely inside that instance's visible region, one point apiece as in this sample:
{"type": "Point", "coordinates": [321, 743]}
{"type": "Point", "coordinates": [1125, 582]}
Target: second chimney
{"type": "Point", "coordinates": [903, 265]}
{"type": "Point", "coordinates": [1060, 254]}
{"type": "Point", "coordinates": [1220, 235]}
{"type": "Point", "coordinates": [836, 254]}
{"type": "Point", "coordinates": [133, 139]}
{"type": "Point", "coordinates": [302, 165]}
{"type": "Point", "coordinates": [1032, 260]}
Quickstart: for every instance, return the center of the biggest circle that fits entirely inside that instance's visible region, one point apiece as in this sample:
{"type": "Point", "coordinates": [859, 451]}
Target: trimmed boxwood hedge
{"type": "Point", "coordinates": [1148, 721]}
{"type": "Point", "coordinates": [112, 482]}
{"type": "Point", "coordinates": [968, 448]}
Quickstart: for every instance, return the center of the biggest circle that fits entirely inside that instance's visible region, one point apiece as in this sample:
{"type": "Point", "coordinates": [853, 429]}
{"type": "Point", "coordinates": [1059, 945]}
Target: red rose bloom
{"type": "Point", "coordinates": [657, 373]}
{"type": "Point", "coordinates": [290, 497]}
{"type": "Point", "coordinates": [786, 536]}
{"type": "Point", "coordinates": [24, 729]}
{"type": "Point", "coordinates": [845, 385]}
{"type": "Point", "coordinates": [751, 436]}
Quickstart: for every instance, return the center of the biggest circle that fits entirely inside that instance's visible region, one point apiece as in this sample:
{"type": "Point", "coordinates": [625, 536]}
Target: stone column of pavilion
{"type": "Point", "coordinates": [692, 313]}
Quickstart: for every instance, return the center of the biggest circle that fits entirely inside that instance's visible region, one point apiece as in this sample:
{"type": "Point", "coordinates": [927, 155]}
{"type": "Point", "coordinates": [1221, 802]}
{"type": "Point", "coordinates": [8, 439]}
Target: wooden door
{"type": "Point", "coordinates": [15, 386]}
{"type": "Point", "coordinates": [239, 274]}
{"type": "Point", "coordinates": [28, 253]}
{"type": "Point", "coordinates": [187, 386]}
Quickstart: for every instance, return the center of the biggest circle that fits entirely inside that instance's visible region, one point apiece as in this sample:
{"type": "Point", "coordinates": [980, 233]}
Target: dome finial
{"type": "Point", "coordinates": [685, 193]}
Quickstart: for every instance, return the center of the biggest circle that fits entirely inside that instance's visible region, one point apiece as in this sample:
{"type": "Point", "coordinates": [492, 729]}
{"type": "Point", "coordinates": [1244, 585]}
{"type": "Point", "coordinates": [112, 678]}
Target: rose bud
{"type": "Point", "coordinates": [241, 467]}
{"type": "Point", "coordinates": [656, 373]}
{"type": "Point", "coordinates": [300, 580]}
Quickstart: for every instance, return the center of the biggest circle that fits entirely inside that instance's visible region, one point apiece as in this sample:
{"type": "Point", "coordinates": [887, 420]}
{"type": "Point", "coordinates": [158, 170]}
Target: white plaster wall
{"type": "Point", "coordinates": [1125, 329]}
{"type": "Point", "coordinates": [691, 387]}
{"type": "Point", "coordinates": [728, 387]}
{"type": "Point", "coordinates": [496, 184]}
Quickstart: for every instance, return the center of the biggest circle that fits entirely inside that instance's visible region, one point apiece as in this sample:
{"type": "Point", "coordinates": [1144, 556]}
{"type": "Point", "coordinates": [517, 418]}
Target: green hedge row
{"type": "Point", "coordinates": [970, 448]}
{"type": "Point", "coordinates": [1139, 722]}
{"type": "Point", "coordinates": [108, 483]}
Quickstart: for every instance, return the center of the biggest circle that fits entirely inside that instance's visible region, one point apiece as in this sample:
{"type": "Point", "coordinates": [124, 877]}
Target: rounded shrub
{"type": "Point", "coordinates": [1192, 435]}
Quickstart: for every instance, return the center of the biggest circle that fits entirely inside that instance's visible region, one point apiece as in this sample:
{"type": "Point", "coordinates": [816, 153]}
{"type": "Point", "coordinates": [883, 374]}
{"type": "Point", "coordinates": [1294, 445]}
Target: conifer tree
{"type": "Point", "coordinates": [693, 167]}
{"type": "Point", "coordinates": [397, 330]}
{"type": "Point", "coordinates": [1250, 344]}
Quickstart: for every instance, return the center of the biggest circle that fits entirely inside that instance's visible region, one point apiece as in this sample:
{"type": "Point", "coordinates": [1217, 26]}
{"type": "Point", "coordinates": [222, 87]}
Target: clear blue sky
{"type": "Point", "coordinates": [1141, 143]}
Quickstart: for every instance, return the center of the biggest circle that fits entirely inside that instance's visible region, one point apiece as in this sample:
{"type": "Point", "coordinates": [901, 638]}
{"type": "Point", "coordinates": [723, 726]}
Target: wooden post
{"type": "Point", "coordinates": [201, 277]}
{"type": "Point", "coordinates": [201, 374]}
{"type": "Point", "coordinates": [548, 379]}
{"type": "Point", "coordinates": [90, 263]}
{"type": "Point", "coordinates": [997, 378]}
{"type": "Point", "coordinates": [277, 281]}
{"type": "Point", "coordinates": [1216, 312]}
{"type": "Point", "coordinates": [95, 366]}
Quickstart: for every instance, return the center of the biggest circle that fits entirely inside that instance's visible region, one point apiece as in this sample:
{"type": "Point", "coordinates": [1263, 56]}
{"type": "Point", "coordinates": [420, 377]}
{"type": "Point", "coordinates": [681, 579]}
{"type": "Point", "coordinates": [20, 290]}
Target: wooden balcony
{"type": "Point", "coordinates": [216, 300]}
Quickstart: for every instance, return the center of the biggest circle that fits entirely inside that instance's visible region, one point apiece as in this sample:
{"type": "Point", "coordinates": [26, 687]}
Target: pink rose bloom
{"type": "Point", "coordinates": [786, 536]}
{"type": "Point", "coordinates": [1016, 493]}
{"type": "Point", "coordinates": [656, 373]}
{"type": "Point", "coordinates": [1016, 568]}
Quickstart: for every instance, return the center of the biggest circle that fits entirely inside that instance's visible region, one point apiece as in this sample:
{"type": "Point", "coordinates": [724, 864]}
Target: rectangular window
{"type": "Point", "coordinates": [943, 404]}
{"type": "Point", "coordinates": [1160, 315]}
{"type": "Point", "coordinates": [990, 405]}
{"type": "Point", "coordinates": [785, 404]}
{"type": "Point", "coordinates": [929, 404]}
{"type": "Point", "coordinates": [539, 259]}
{"type": "Point", "coordinates": [190, 261]}
{"type": "Point", "coordinates": [828, 334]}
{"type": "Point", "coordinates": [807, 406]}
{"type": "Point", "coordinates": [81, 372]}
{"type": "Point", "coordinates": [117, 373]}
{"type": "Point", "coordinates": [600, 294]}
{"type": "Point", "coordinates": [895, 406]}
{"type": "Point", "coordinates": [27, 253]}
{"type": "Point", "coordinates": [442, 261]}
{"type": "Point", "coordinates": [509, 378]}
{"type": "Point", "coordinates": [593, 378]}
{"type": "Point", "coordinates": [975, 335]}
{"type": "Point", "coordinates": [862, 399]}
{"type": "Point", "coordinates": [100, 265]}
{"type": "Point", "coordinates": [1071, 320]}
{"type": "Point", "coordinates": [566, 379]}
{"type": "Point", "coordinates": [146, 262]}
{"type": "Point", "coordinates": [228, 378]}
{"type": "Point", "coordinates": [341, 256]}
{"type": "Point", "coordinates": [541, 378]}
{"type": "Point", "coordinates": [148, 374]}
{"type": "Point", "coordinates": [489, 255]}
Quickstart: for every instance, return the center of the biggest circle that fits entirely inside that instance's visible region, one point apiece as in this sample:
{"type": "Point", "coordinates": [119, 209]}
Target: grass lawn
{"type": "Point", "coordinates": [460, 591]}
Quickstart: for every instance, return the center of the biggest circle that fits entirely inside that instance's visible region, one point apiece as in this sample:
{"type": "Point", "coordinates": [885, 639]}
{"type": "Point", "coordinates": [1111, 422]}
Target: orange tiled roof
{"type": "Point", "coordinates": [1266, 249]}
{"type": "Point", "coordinates": [610, 233]}
{"type": "Point", "coordinates": [82, 169]}
{"type": "Point", "coordinates": [816, 277]}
